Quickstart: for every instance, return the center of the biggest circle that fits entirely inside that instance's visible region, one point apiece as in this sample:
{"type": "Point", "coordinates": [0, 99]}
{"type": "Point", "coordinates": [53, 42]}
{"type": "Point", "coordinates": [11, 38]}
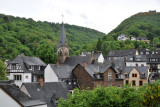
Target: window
{"type": "Point", "coordinates": [17, 77]}
{"type": "Point", "coordinates": [39, 67]}
{"type": "Point", "coordinates": [74, 83]}
{"type": "Point", "coordinates": [127, 82]}
{"type": "Point", "coordinates": [30, 67]}
{"type": "Point", "coordinates": [133, 83]}
{"type": "Point", "coordinates": [69, 83]}
{"type": "Point", "coordinates": [131, 59]}
{"type": "Point", "coordinates": [143, 74]}
{"type": "Point", "coordinates": [134, 75]}
{"type": "Point", "coordinates": [109, 76]}
{"type": "Point", "coordinates": [147, 53]}
{"type": "Point", "coordinates": [138, 59]}
{"type": "Point", "coordinates": [126, 75]}
{"type": "Point", "coordinates": [141, 53]}
{"type": "Point", "coordinates": [140, 83]}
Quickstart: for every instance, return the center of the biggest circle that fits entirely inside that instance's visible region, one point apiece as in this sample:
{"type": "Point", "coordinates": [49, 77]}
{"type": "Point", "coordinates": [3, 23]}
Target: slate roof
{"type": "Point", "coordinates": [63, 71]}
{"type": "Point", "coordinates": [74, 60]}
{"type": "Point", "coordinates": [140, 69]}
{"type": "Point", "coordinates": [141, 38]}
{"type": "Point", "coordinates": [86, 53]}
{"type": "Point", "coordinates": [62, 38]}
{"type": "Point", "coordinates": [136, 58]}
{"type": "Point", "coordinates": [96, 55]}
{"type": "Point", "coordinates": [25, 61]}
{"type": "Point", "coordinates": [122, 53]}
{"type": "Point", "coordinates": [50, 91]}
{"type": "Point", "coordinates": [19, 96]}
{"type": "Point", "coordinates": [153, 56]}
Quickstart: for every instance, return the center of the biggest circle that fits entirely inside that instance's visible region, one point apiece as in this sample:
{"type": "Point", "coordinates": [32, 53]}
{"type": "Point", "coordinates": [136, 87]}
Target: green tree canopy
{"type": "Point", "coordinates": [46, 53]}
{"type": "Point", "coordinates": [2, 71]}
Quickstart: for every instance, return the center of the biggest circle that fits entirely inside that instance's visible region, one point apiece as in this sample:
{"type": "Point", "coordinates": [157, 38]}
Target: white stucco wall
{"type": "Point", "coordinates": [49, 75]}
{"type": "Point", "coordinates": [6, 100]}
{"type": "Point", "coordinates": [101, 59]}
{"type": "Point", "coordinates": [29, 79]}
{"type": "Point", "coordinates": [134, 63]}
{"type": "Point", "coordinates": [19, 82]}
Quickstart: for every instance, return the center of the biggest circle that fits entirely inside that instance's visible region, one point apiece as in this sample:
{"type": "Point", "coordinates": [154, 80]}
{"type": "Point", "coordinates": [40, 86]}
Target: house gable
{"type": "Point", "coordinates": [6, 100]}
{"type": "Point", "coordinates": [50, 75]}
{"type": "Point", "coordinates": [85, 80]}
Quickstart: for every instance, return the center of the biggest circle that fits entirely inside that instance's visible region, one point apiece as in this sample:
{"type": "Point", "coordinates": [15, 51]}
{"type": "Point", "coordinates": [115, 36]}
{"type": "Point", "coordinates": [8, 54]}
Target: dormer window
{"type": "Point", "coordinates": [126, 75]}
{"type": "Point", "coordinates": [131, 59]}
{"type": "Point", "coordinates": [143, 74]}
{"type": "Point", "coordinates": [69, 83]}
{"type": "Point", "coordinates": [30, 67]}
{"type": "Point", "coordinates": [39, 67]}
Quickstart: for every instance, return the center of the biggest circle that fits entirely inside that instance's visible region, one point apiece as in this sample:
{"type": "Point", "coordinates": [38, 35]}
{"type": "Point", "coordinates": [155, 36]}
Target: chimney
{"type": "Point", "coordinates": [22, 54]}
{"type": "Point", "coordinates": [57, 64]}
{"type": "Point", "coordinates": [84, 64]}
{"type": "Point", "coordinates": [41, 82]}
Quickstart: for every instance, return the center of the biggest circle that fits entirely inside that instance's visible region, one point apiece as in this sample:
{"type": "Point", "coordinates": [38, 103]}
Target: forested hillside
{"type": "Point", "coordinates": [141, 24]}
{"type": "Point", "coordinates": [146, 24]}
{"type": "Point", "coordinates": [21, 35]}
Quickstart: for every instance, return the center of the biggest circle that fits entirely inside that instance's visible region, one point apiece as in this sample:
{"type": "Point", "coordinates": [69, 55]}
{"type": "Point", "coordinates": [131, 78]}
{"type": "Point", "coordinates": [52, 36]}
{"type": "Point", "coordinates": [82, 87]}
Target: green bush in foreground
{"type": "Point", "coordinates": [126, 96]}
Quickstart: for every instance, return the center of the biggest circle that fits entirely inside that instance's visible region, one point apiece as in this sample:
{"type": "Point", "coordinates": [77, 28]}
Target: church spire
{"type": "Point", "coordinates": [62, 38]}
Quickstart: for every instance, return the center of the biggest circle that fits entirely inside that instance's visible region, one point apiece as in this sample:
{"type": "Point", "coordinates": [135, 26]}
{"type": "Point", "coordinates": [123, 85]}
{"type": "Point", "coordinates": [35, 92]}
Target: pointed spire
{"type": "Point", "coordinates": [62, 38]}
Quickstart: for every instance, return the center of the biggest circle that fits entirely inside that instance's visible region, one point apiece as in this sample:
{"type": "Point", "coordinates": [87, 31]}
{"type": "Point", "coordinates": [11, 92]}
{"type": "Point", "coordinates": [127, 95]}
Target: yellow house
{"type": "Point", "coordinates": [137, 75]}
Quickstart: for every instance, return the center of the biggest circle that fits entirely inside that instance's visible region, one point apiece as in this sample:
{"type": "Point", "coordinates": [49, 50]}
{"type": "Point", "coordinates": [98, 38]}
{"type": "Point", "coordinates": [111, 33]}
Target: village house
{"type": "Point", "coordinates": [25, 69]}
{"type": "Point", "coordinates": [143, 39]}
{"type": "Point", "coordinates": [123, 37]}
{"type": "Point", "coordinates": [61, 72]}
{"type": "Point", "coordinates": [136, 60]}
{"type": "Point", "coordinates": [11, 96]}
{"type": "Point", "coordinates": [48, 92]}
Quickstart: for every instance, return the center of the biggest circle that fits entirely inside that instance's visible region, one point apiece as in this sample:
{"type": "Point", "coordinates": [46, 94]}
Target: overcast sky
{"type": "Point", "coordinates": [101, 15]}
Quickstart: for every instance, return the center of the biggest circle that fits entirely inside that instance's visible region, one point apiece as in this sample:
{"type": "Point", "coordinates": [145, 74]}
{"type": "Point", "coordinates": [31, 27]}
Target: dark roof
{"type": "Point", "coordinates": [141, 38]}
{"type": "Point", "coordinates": [122, 53]}
{"type": "Point", "coordinates": [96, 55]}
{"type": "Point", "coordinates": [153, 56]}
{"type": "Point", "coordinates": [140, 69]}
{"type": "Point", "coordinates": [74, 60]}
{"type": "Point", "coordinates": [62, 38]}
{"type": "Point", "coordinates": [86, 53]}
{"type": "Point", "coordinates": [6, 82]}
{"type": "Point", "coordinates": [50, 91]}
{"type": "Point", "coordinates": [136, 58]}
{"type": "Point", "coordinates": [62, 71]}
{"type": "Point", "coordinates": [25, 61]}
{"type": "Point", "coordinates": [19, 96]}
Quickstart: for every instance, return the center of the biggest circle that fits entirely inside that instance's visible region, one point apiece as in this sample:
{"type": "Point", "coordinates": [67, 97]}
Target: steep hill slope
{"type": "Point", "coordinates": [21, 35]}
{"type": "Point", "coordinates": [142, 24]}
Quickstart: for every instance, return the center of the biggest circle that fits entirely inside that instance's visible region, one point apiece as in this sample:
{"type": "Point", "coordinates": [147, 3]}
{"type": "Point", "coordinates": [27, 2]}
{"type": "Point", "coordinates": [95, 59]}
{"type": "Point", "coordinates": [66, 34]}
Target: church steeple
{"type": "Point", "coordinates": [62, 47]}
{"type": "Point", "coordinates": [62, 38]}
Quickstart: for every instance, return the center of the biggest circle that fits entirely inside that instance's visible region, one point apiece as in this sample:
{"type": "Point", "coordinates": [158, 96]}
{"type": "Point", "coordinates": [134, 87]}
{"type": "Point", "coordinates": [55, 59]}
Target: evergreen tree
{"type": "Point", "coordinates": [99, 44]}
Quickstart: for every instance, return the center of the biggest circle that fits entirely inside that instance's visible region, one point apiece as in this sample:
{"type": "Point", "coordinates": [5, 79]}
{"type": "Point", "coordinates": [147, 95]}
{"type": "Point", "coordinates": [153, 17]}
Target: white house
{"type": "Point", "coordinates": [11, 96]}
{"type": "Point", "coordinates": [133, 38]}
{"type": "Point", "coordinates": [25, 69]}
{"type": "Point", "coordinates": [98, 57]}
{"type": "Point", "coordinates": [123, 37]}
